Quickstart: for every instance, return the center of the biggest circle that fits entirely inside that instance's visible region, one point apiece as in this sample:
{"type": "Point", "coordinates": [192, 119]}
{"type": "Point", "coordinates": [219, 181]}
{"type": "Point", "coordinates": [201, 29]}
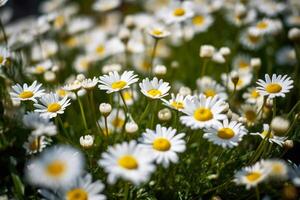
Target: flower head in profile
{"type": "Point", "coordinates": [39, 125]}
{"type": "Point", "coordinates": [251, 176]}
{"type": "Point", "coordinates": [270, 135]}
{"type": "Point", "coordinates": [128, 161]}
{"type": "Point", "coordinates": [277, 86]}
{"type": "Point", "coordinates": [113, 82]}
{"type": "Point", "coordinates": [203, 112]}
{"type": "Point", "coordinates": [164, 143]}
{"type": "Point", "coordinates": [154, 89]}
{"type": "Point", "coordinates": [177, 102]}
{"type": "Point", "coordinates": [27, 93]}
{"type": "Point", "coordinates": [51, 105]}
{"type": "Point", "coordinates": [158, 31]}
{"type": "Point", "coordinates": [36, 144]}
{"type": "Point", "coordinates": [56, 167]}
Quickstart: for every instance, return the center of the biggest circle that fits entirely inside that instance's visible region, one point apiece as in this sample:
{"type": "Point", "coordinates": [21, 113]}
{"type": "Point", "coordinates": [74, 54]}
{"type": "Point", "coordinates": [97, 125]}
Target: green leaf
{"type": "Point", "coordinates": [18, 186]}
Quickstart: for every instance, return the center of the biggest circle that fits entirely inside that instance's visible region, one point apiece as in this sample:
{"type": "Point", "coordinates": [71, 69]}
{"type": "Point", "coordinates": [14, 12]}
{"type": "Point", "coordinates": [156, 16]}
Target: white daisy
{"type": "Point", "coordinates": [241, 63]}
{"type": "Point", "coordinates": [225, 134]}
{"type": "Point", "coordinates": [250, 113]}
{"type": "Point", "coordinates": [251, 39]}
{"type": "Point", "coordinates": [155, 88]}
{"type": "Point", "coordinates": [210, 88]}
{"type": "Point", "coordinates": [129, 161]}
{"type": "Point", "coordinates": [115, 121]}
{"type": "Point", "coordinates": [36, 144]}
{"type": "Point", "coordinates": [164, 143]}
{"type": "Point", "coordinates": [266, 26]}
{"type": "Point", "coordinates": [27, 93]}
{"type": "Point", "coordinates": [89, 84]}
{"type": "Point", "coordinates": [251, 176]}
{"type": "Point", "coordinates": [56, 167]}
{"type": "Point", "coordinates": [201, 22]}
{"type": "Point", "coordinates": [158, 31]}
{"type": "Point", "coordinates": [113, 82]}
{"type": "Point", "coordinates": [39, 125]}
{"type": "Point", "coordinates": [41, 67]}
{"type": "Point", "coordinates": [271, 138]}
{"type": "Point", "coordinates": [278, 168]}
{"type": "Point", "coordinates": [176, 102]}
{"type": "Point", "coordinates": [129, 95]}
{"type": "Point", "coordinates": [278, 86]}
{"type": "Point", "coordinates": [243, 81]}
{"type": "Point", "coordinates": [252, 96]}
{"type": "Point", "coordinates": [5, 56]}
{"type": "Point", "coordinates": [176, 13]}
{"type": "Point", "coordinates": [51, 105]}
{"type": "Point", "coordinates": [203, 112]}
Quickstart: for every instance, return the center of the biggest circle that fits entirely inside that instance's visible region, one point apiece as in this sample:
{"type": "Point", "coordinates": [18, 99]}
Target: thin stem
{"type": "Point", "coordinates": [82, 111]}
{"type": "Point", "coordinates": [205, 61]}
{"type": "Point", "coordinates": [257, 193]}
{"type": "Point", "coordinates": [62, 124]}
{"type": "Point", "coordinates": [4, 33]}
{"type": "Point", "coordinates": [106, 127]}
{"type": "Point", "coordinates": [153, 114]}
{"type": "Point", "coordinates": [145, 113]}
{"type": "Point", "coordinates": [92, 104]}
{"type": "Point", "coordinates": [293, 109]}
{"type": "Point", "coordinates": [124, 102]}
{"type": "Point", "coordinates": [153, 55]}
{"type": "Point", "coordinates": [274, 107]}
{"type": "Point", "coordinates": [126, 191]}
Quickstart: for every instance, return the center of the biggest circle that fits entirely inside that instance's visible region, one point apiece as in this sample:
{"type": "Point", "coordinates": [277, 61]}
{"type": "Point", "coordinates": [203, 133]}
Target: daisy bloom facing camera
{"type": "Point", "coordinates": [27, 93]}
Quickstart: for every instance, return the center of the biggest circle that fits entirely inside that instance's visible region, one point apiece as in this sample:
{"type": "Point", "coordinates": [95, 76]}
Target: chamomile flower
{"type": "Point", "coordinates": [251, 39]}
{"type": "Point", "coordinates": [115, 120]}
{"type": "Point", "coordinates": [74, 86]}
{"type": "Point", "coordinates": [89, 84]}
{"type": "Point", "coordinates": [211, 88]}
{"type": "Point", "coordinates": [252, 96]}
{"type": "Point", "coordinates": [56, 167]}
{"type": "Point", "coordinates": [201, 22]}
{"type": "Point", "coordinates": [277, 86]}
{"type": "Point", "coordinates": [83, 63]}
{"type": "Point", "coordinates": [41, 67]}
{"type": "Point", "coordinates": [271, 137]}
{"type": "Point", "coordinates": [36, 144]}
{"type": "Point", "coordinates": [27, 93]}
{"type": "Point", "coordinates": [203, 112]}
{"type": "Point", "coordinates": [241, 63]}
{"type": "Point", "coordinates": [251, 176]}
{"type": "Point", "coordinates": [226, 134]}
{"type": "Point", "coordinates": [265, 26]}
{"type": "Point", "coordinates": [39, 125]}
{"type": "Point", "coordinates": [176, 102]}
{"type": "Point", "coordinates": [128, 161]}
{"type": "Point", "coordinates": [113, 82]}
{"type": "Point", "coordinates": [244, 79]}
{"type": "Point", "coordinates": [130, 96]}
{"type": "Point", "coordinates": [158, 31]}
{"type": "Point", "coordinates": [250, 113]}
{"type": "Point", "coordinates": [46, 49]}
{"type": "Point", "coordinates": [154, 89]}
{"type": "Point", "coordinates": [105, 5]}
{"type": "Point", "coordinates": [164, 143]}
{"type": "Point", "coordinates": [278, 168]}
{"type": "Point", "coordinates": [51, 105]}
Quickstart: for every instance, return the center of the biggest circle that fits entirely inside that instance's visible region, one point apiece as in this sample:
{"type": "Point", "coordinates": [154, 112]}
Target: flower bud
{"type": "Point", "coordinates": [235, 77]}
{"type": "Point", "coordinates": [294, 35]}
{"type": "Point", "coordinates": [288, 144]}
{"type": "Point", "coordinates": [160, 70]}
{"type": "Point", "coordinates": [255, 63]}
{"type": "Point", "coordinates": [80, 77]}
{"type": "Point", "coordinates": [105, 109]}
{"type": "Point", "coordinates": [280, 126]}
{"type": "Point", "coordinates": [184, 91]}
{"type": "Point", "coordinates": [164, 114]}
{"type": "Point", "coordinates": [49, 76]}
{"type": "Point", "coordinates": [131, 127]}
{"type": "Point", "coordinates": [86, 141]}
{"type": "Point", "coordinates": [218, 58]}
{"type": "Point", "coordinates": [207, 51]}
{"type": "Point", "coordinates": [225, 51]}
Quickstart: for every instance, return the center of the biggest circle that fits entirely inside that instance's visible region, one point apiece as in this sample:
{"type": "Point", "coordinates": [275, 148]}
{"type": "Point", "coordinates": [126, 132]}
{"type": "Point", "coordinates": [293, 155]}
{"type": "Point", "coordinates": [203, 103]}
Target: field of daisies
{"type": "Point", "coordinates": [150, 100]}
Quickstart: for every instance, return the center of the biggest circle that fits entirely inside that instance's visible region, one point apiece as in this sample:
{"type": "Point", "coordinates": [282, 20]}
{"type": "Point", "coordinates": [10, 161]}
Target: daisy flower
{"type": "Point", "coordinates": [164, 144]}
{"type": "Point", "coordinates": [39, 125]}
{"type": "Point", "coordinates": [176, 13]}
{"type": "Point", "coordinates": [56, 167]}
{"type": "Point", "coordinates": [203, 112]}
{"type": "Point", "coordinates": [176, 102]}
{"type": "Point", "coordinates": [250, 113]}
{"type": "Point", "coordinates": [130, 96]}
{"type": "Point", "coordinates": [266, 26]}
{"type": "Point", "coordinates": [115, 121]}
{"type": "Point", "coordinates": [89, 84]}
{"type": "Point", "coordinates": [251, 176]}
{"type": "Point", "coordinates": [271, 138]}
{"type": "Point", "coordinates": [128, 161]}
{"type": "Point", "coordinates": [41, 67]}
{"type": "Point", "coordinates": [278, 168]}
{"type": "Point", "coordinates": [241, 63]}
{"type": "Point", "coordinates": [251, 39]}
{"type": "Point", "coordinates": [155, 88]}
{"type": "Point", "coordinates": [158, 31]}
{"type": "Point", "coordinates": [74, 86]}
{"type": "Point", "coordinates": [225, 134]}
{"type": "Point", "coordinates": [27, 93]}
{"type": "Point", "coordinates": [51, 105]}
{"type": "Point", "coordinates": [252, 96]}
{"type": "Point", "coordinates": [201, 22]}
{"type": "Point", "coordinates": [278, 86]}
{"type": "Point", "coordinates": [113, 82]}
{"type": "Point", "coordinates": [36, 144]}
{"type": "Point", "coordinates": [210, 88]}
{"type": "Point", "coordinates": [83, 63]}
{"type": "Point", "coordinates": [244, 80]}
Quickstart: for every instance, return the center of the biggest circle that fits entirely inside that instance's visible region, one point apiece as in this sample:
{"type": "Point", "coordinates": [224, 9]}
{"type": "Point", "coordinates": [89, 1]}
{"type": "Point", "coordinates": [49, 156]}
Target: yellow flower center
{"type": "Point", "coordinates": [56, 168]}
{"type": "Point", "coordinates": [26, 94]}
{"type": "Point", "coordinates": [1, 59]}
{"type": "Point", "coordinates": [240, 82]}
{"type": "Point", "coordinates": [128, 162]}
{"type": "Point", "coordinates": [255, 94]}
{"type": "Point", "coordinates": [154, 92]}
{"type": "Point", "coordinates": [34, 145]}
{"type": "Point", "coordinates": [100, 49]}
{"type": "Point", "coordinates": [253, 176]}
{"type": "Point", "coordinates": [210, 93]}
{"type": "Point", "coordinates": [146, 65]}
{"type": "Point", "coordinates": [118, 122]}
{"type": "Point", "coordinates": [161, 144]}
{"type": "Point", "coordinates": [53, 107]}
{"type": "Point", "coordinates": [84, 64]}
{"type": "Point", "coordinates": [273, 88]}
{"type": "Point", "coordinates": [253, 38]}
{"type": "Point", "coordinates": [265, 133]}
{"type": "Point", "coordinates": [157, 32]}
{"type": "Point", "coordinates": [261, 25]}
{"type": "Point", "coordinates": [127, 95]}
{"type": "Point", "coordinates": [61, 92]}
{"type": "Point", "coordinates": [118, 85]}
{"type": "Point", "coordinates": [71, 42]}
{"type": "Point", "coordinates": [243, 64]}
{"type": "Point", "coordinates": [250, 115]}
{"type": "Point", "coordinates": [77, 194]}
{"type": "Point", "coordinates": [277, 168]}
{"type": "Point", "coordinates": [225, 133]}
{"type": "Point", "coordinates": [178, 12]}
{"type": "Point", "coordinates": [40, 69]}
{"type": "Point", "coordinates": [203, 114]}
{"type": "Point", "coordinates": [59, 21]}
{"type": "Point", "coordinates": [198, 20]}
{"type": "Point", "coordinates": [177, 105]}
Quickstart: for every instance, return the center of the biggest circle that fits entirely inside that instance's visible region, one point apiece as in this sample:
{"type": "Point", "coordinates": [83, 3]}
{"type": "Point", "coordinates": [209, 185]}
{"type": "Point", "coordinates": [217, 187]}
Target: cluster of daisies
{"type": "Point", "coordinates": [110, 99]}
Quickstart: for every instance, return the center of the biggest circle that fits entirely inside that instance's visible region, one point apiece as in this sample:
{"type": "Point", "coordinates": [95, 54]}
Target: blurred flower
{"type": "Point", "coordinates": [39, 125]}
{"type": "Point", "coordinates": [271, 137]}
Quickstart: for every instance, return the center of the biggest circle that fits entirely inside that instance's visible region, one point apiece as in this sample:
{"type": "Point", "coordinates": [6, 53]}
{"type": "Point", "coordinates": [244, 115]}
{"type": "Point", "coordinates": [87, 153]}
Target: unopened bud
{"type": "Point", "coordinates": [80, 77]}
{"type": "Point", "coordinates": [280, 126]}
{"type": "Point", "coordinates": [207, 51]}
{"type": "Point", "coordinates": [131, 127]}
{"type": "Point", "coordinates": [160, 70]}
{"type": "Point", "coordinates": [105, 109]}
{"type": "Point", "coordinates": [255, 63]}
{"type": "Point", "coordinates": [288, 144]}
{"type": "Point", "coordinates": [164, 114]}
{"type": "Point", "coordinates": [86, 141]}
{"type": "Point", "coordinates": [235, 77]}
{"type": "Point", "coordinates": [225, 51]}
{"type": "Point", "coordinates": [294, 35]}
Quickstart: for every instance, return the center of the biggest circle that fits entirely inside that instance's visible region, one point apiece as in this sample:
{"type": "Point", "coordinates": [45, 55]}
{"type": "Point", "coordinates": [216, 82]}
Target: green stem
{"type": "Point", "coordinates": [293, 109]}
{"type": "Point", "coordinates": [126, 191]}
{"type": "Point", "coordinates": [205, 61]}
{"type": "Point", "coordinates": [82, 111]}
{"type": "Point", "coordinates": [153, 114]}
{"type": "Point", "coordinates": [153, 55]}
{"type": "Point", "coordinates": [62, 125]}
{"type": "Point", "coordinates": [145, 113]}
{"type": "Point", "coordinates": [4, 33]}
{"type": "Point", "coordinates": [106, 127]}
{"type": "Point", "coordinates": [124, 102]}
{"type": "Point", "coordinates": [274, 108]}
{"type": "Point", "coordinates": [92, 104]}
{"type": "Point", "coordinates": [257, 193]}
